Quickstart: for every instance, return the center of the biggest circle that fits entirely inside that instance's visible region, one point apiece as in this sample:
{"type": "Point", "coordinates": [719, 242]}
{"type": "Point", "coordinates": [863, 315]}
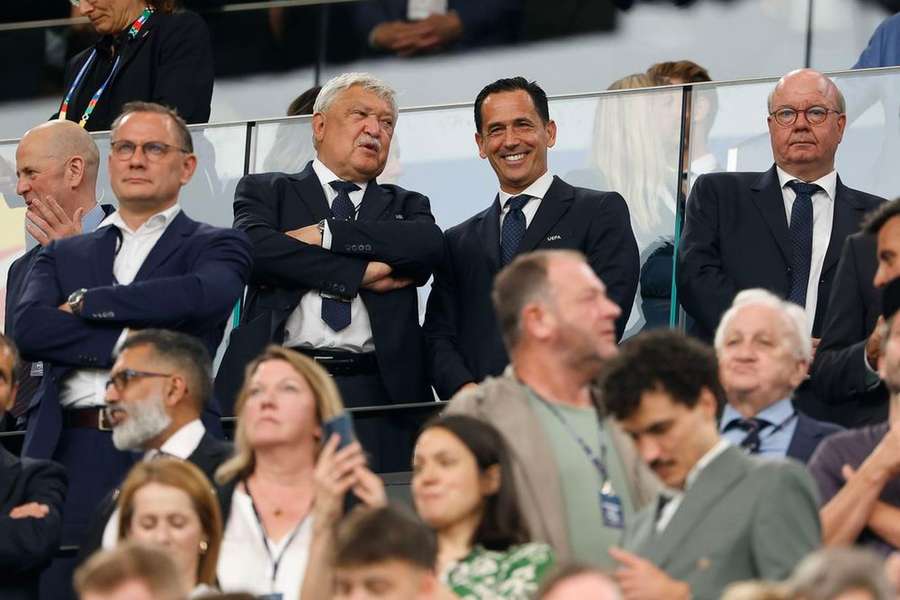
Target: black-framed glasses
{"type": "Point", "coordinates": [125, 149]}
{"type": "Point", "coordinates": [121, 379]}
{"type": "Point", "coordinates": [815, 115]}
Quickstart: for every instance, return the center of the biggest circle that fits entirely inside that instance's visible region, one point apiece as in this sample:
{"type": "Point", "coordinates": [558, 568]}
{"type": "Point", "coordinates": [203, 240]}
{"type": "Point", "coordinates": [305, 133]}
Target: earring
{"type": "Point", "coordinates": [203, 546]}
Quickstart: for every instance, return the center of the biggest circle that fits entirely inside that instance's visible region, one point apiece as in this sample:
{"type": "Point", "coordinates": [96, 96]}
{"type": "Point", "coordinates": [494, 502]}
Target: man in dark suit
{"type": "Point", "coordinates": [781, 230]}
{"type": "Point", "coordinates": [56, 166]}
{"type": "Point", "coordinates": [159, 384]}
{"type": "Point", "coordinates": [533, 209]}
{"type": "Point", "coordinates": [148, 265]}
{"type": "Point", "coordinates": [337, 258]}
{"type": "Point", "coordinates": [764, 353]}
{"type": "Point", "coordinates": [31, 499]}
{"type": "Point", "coordinates": [844, 373]}
{"type": "Point", "coordinates": [726, 516]}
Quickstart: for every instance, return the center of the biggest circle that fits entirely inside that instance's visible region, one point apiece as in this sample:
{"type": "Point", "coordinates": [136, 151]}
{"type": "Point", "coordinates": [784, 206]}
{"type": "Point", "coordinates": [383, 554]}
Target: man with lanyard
{"type": "Point", "coordinates": [559, 328]}
{"type": "Point", "coordinates": [764, 355]}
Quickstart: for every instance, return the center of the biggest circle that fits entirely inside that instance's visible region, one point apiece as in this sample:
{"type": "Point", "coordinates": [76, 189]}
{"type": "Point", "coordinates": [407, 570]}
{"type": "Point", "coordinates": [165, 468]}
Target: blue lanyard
{"type": "Point", "coordinates": [599, 462]}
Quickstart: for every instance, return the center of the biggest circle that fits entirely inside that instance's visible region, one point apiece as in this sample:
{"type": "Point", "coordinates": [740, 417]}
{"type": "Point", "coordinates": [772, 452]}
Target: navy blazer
{"type": "Point", "coordinates": [27, 545]}
{"type": "Point", "coordinates": [807, 436]}
{"type": "Point", "coordinates": [393, 225]}
{"type": "Point", "coordinates": [170, 62]}
{"type": "Point", "coordinates": [189, 282]}
{"type": "Point", "coordinates": [464, 342]}
{"type": "Point", "coordinates": [736, 237]}
{"type": "Point", "coordinates": [839, 373]}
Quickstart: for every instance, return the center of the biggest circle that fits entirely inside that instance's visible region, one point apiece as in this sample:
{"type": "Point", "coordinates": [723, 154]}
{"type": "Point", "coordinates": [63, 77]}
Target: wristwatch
{"type": "Point", "coordinates": [76, 301]}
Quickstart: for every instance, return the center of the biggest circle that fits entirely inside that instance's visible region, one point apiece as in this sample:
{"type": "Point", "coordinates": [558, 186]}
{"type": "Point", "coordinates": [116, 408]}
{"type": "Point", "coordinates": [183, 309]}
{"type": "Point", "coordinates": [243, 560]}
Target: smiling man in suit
{"type": "Point", "coordinates": [532, 210]}
{"type": "Point", "coordinates": [727, 516]}
{"type": "Point", "coordinates": [783, 229]}
{"type": "Point", "coordinates": [147, 265]}
{"type": "Point", "coordinates": [337, 259]}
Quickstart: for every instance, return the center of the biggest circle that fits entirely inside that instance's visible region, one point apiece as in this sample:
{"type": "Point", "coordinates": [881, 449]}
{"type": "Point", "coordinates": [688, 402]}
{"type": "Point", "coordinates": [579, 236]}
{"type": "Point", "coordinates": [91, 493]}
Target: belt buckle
{"type": "Point", "coordinates": [103, 423]}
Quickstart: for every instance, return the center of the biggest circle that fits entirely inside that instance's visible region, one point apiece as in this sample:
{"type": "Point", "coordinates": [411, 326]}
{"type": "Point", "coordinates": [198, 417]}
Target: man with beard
{"type": "Point", "coordinates": [156, 392]}
{"type": "Point", "coordinates": [725, 516]}
{"type": "Point", "coordinates": [559, 327]}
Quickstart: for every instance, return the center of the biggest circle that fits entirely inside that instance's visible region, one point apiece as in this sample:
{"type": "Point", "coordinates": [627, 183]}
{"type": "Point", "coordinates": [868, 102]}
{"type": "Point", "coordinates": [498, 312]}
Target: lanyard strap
{"type": "Point", "coordinates": [599, 462]}
{"type": "Point", "coordinates": [275, 561]}
{"type": "Point", "coordinates": [776, 428]}
{"type": "Point", "coordinates": [133, 31]}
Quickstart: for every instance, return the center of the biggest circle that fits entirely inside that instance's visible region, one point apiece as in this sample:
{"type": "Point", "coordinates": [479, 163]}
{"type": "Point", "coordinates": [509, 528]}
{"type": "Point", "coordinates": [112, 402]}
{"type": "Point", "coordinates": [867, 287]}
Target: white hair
{"type": "Point", "coordinates": [344, 81]}
{"type": "Point", "coordinates": [792, 316]}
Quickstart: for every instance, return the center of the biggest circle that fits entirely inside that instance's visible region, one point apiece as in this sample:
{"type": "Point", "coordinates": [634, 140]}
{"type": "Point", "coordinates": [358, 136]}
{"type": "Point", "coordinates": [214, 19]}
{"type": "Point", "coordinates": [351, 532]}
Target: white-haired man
{"type": "Point", "coordinates": [764, 353]}
{"type": "Point", "coordinates": [338, 257]}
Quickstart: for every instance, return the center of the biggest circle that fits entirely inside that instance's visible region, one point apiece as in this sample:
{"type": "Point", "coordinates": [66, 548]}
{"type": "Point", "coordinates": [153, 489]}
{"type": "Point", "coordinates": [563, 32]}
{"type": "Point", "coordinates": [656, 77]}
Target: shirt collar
{"type": "Point", "coordinates": [827, 182]}
{"type": "Point", "coordinates": [183, 442]}
{"type": "Point", "coordinates": [326, 176]}
{"type": "Point", "coordinates": [537, 189]}
{"type": "Point", "coordinates": [158, 221]}
{"type": "Point", "coordinates": [92, 219]}
{"type": "Point", "coordinates": [704, 462]}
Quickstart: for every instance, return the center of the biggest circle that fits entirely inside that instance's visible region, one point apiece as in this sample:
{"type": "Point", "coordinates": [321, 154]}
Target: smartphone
{"type": "Point", "coordinates": [341, 425]}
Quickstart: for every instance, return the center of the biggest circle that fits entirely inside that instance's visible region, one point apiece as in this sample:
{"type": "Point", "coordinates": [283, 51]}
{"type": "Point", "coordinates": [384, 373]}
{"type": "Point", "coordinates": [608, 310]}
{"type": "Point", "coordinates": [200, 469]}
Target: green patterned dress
{"type": "Point", "coordinates": [511, 575]}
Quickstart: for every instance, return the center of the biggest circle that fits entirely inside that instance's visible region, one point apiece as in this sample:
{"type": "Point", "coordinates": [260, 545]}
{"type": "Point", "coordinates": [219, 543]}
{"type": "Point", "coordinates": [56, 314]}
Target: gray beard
{"type": "Point", "coordinates": [145, 421]}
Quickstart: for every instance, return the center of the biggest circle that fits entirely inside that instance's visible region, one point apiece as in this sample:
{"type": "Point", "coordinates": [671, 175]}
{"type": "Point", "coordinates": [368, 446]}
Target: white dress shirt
{"type": "Point", "coordinates": [823, 218]}
{"type": "Point", "coordinates": [537, 190]}
{"type": "Point", "coordinates": [244, 563]}
{"type": "Point", "coordinates": [305, 326]}
{"type": "Point", "coordinates": [671, 507]}
{"type": "Point", "coordinates": [86, 388]}
{"type": "Point", "coordinates": [180, 444]}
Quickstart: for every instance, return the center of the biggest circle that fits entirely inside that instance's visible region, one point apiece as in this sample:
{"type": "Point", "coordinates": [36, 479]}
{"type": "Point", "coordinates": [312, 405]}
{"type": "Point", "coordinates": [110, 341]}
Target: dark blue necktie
{"type": "Point", "coordinates": [336, 313]}
{"type": "Point", "coordinates": [801, 231]}
{"type": "Point", "coordinates": [752, 427]}
{"type": "Point", "coordinates": [513, 229]}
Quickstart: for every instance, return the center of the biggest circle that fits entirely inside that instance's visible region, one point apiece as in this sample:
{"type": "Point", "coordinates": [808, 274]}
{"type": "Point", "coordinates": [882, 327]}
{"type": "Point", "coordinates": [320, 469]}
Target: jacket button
{"type": "Point", "coordinates": [368, 247]}
{"type": "Point", "coordinates": [343, 288]}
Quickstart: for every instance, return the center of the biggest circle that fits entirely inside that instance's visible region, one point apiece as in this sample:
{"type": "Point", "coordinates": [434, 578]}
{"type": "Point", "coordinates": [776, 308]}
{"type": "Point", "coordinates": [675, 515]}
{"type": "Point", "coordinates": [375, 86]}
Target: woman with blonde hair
{"type": "Point", "coordinates": [267, 488]}
{"type": "Point", "coordinates": [170, 503]}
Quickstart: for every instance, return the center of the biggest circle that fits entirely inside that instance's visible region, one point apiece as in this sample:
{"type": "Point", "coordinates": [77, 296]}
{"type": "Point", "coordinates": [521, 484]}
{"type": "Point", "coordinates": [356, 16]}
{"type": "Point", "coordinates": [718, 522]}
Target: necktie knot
{"type": "Point", "coordinates": [752, 426]}
{"type": "Point", "coordinates": [517, 202]}
{"type": "Point", "coordinates": [343, 186]}
{"type": "Point", "coordinates": [804, 189]}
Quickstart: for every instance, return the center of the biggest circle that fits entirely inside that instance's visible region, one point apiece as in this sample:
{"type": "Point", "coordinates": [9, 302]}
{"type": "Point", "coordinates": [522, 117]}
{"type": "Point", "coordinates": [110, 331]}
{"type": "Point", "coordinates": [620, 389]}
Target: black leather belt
{"type": "Point", "coordinates": [87, 418]}
{"type": "Point", "coordinates": [342, 363]}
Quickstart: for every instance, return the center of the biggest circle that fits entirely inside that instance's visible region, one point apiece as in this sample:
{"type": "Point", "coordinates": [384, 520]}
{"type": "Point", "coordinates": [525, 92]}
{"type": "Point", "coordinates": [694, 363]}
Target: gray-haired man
{"type": "Point", "coordinates": [338, 258]}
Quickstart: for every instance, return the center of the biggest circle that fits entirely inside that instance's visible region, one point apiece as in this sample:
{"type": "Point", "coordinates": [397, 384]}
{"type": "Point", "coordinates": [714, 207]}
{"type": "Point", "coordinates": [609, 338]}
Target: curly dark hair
{"type": "Point", "coordinates": [876, 219]}
{"type": "Point", "coordinates": [660, 360]}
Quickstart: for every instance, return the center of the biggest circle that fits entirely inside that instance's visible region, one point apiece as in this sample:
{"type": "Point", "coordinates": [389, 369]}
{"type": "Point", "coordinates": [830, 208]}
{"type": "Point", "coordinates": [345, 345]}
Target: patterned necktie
{"type": "Point", "coordinates": [801, 231]}
{"type": "Point", "coordinates": [28, 386]}
{"type": "Point", "coordinates": [336, 313]}
{"type": "Point", "coordinates": [513, 229]}
{"type": "Point", "coordinates": [752, 426]}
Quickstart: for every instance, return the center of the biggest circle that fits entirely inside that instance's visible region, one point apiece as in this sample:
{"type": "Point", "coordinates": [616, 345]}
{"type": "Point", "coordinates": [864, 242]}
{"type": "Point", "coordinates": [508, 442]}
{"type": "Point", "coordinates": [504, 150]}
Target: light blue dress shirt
{"type": "Point", "coordinates": [774, 439]}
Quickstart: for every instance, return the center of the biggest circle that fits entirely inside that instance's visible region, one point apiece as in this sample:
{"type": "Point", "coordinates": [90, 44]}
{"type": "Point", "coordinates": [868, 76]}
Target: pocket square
{"type": "Point", "coordinates": [553, 238]}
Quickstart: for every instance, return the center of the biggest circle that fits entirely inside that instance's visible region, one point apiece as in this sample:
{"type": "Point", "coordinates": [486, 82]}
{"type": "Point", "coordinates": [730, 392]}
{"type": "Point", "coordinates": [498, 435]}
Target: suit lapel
{"type": "Point", "coordinates": [375, 201]}
{"type": "Point", "coordinates": [847, 215]}
{"type": "Point", "coordinates": [309, 192]}
{"type": "Point", "coordinates": [180, 227]}
{"type": "Point", "coordinates": [802, 439]}
{"type": "Point", "coordinates": [716, 479]}
{"type": "Point", "coordinates": [489, 234]}
{"type": "Point", "coordinates": [770, 202]}
{"type": "Point", "coordinates": [131, 47]}
{"type": "Point", "coordinates": [108, 239]}
{"type": "Point", "coordinates": [555, 204]}
{"type": "Point", "coordinates": [10, 467]}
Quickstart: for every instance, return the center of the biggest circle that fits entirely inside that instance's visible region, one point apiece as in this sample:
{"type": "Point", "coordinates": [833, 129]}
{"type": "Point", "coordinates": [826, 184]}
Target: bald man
{"type": "Point", "coordinates": [56, 171]}
{"type": "Point", "coordinates": [781, 230]}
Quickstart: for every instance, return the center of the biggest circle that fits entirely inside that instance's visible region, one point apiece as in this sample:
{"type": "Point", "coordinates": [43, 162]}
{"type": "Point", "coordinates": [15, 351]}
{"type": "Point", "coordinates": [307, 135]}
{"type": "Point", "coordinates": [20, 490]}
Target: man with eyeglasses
{"type": "Point", "coordinates": [155, 394]}
{"type": "Point", "coordinates": [148, 265]}
{"type": "Point", "coordinates": [781, 230]}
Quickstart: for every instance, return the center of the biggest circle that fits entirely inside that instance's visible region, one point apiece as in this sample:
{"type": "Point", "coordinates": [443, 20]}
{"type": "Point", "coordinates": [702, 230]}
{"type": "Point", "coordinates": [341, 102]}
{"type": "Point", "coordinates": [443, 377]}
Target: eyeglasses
{"type": "Point", "coordinates": [815, 115]}
{"type": "Point", "coordinates": [121, 379]}
{"type": "Point", "coordinates": [124, 149]}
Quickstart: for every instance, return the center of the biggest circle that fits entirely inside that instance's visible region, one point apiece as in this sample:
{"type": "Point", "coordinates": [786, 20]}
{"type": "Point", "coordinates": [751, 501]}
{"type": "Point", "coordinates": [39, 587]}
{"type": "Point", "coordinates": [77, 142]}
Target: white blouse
{"type": "Point", "coordinates": [244, 563]}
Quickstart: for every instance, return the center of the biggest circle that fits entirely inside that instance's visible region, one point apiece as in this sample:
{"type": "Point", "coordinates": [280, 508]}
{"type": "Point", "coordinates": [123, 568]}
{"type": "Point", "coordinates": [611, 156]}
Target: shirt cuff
{"type": "Point", "coordinates": [326, 236]}
{"type": "Point", "coordinates": [872, 379]}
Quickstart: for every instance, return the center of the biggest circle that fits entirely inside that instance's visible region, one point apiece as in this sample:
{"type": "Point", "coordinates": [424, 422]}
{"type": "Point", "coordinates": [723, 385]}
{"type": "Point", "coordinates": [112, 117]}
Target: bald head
{"type": "Point", "coordinates": [809, 79]}
{"type": "Point", "coordinates": [63, 140]}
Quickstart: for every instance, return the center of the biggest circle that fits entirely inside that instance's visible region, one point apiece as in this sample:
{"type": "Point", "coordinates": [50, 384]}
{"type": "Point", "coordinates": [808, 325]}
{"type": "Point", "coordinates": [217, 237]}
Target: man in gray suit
{"type": "Point", "coordinates": [729, 516]}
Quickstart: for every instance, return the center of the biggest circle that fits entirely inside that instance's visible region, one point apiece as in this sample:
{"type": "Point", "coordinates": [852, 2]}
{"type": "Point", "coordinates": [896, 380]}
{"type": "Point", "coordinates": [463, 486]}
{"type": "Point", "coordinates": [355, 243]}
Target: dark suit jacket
{"type": "Point", "coordinates": [839, 371]}
{"type": "Point", "coordinates": [170, 62]}
{"type": "Point", "coordinates": [736, 237]}
{"type": "Point", "coordinates": [393, 225]}
{"type": "Point", "coordinates": [807, 436]}
{"type": "Point", "coordinates": [209, 454]}
{"type": "Point", "coordinates": [189, 282]}
{"type": "Point", "coordinates": [27, 545]}
{"type": "Point", "coordinates": [464, 342]}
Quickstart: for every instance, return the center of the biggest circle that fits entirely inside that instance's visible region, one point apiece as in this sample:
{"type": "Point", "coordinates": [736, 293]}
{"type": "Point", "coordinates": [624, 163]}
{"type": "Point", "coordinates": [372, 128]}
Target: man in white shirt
{"type": "Point", "coordinates": [147, 265]}
{"type": "Point", "coordinates": [727, 517]}
{"type": "Point", "coordinates": [337, 258]}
